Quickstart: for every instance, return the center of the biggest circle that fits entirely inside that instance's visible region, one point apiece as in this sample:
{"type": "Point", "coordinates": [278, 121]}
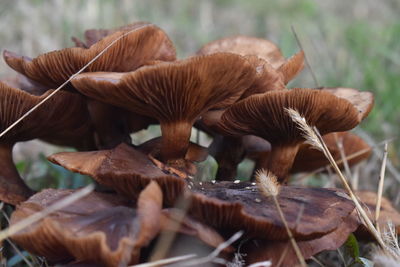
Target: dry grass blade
{"type": "Point", "coordinates": [380, 187]}
{"type": "Point", "coordinates": [42, 214]}
{"type": "Point", "coordinates": [339, 144]}
{"type": "Point", "coordinates": [305, 57]}
{"type": "Point", "coordinates": [261, 264]}
{"type": "Point", "coordinates": [165, 261]}
{"type": "Point", "coordinates": [349, 157]}
{"type": "Point", "coordinates": [269, 186]}
{"type": "Point", "coordinates": [167, 237]}
{"type": "Point", "coordinates": [67, 81]}
{"type": "Point", "coordinates": [320, 143]}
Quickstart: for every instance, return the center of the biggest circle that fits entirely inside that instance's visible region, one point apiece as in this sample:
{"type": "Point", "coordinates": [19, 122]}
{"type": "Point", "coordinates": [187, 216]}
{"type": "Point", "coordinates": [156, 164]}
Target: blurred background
{"type": "Point", "coordinates": [347, 43]}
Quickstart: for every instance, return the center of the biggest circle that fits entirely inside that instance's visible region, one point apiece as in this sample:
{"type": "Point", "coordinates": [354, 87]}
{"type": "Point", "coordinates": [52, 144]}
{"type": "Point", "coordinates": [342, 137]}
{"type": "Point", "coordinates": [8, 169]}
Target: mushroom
{"type": "Point", "coordinates": [176, 94]}
{"type": "Point", "coordinates": [92, 36]}
{"type": "Point", "coordinates": [244, 45]}
{"type": "Point", "coordinates": [264, 115]}
{"type": "Point", "coordinates": [98, 228]}
{"type": "Point", "coordinates": [133, 50]}
{"type": "Point", "coordinates": [63, 119]}
{"type": "Point", "coordinates": [122, 168]}
{"type": "Point", "coordinates": [140, 43]}
{"type": "Point", "coordinates": [309, 159]}
{"type": "Point", "coordinates": [282, 253]}
{"type": "Point", "coordinates": [233, 206]}
{"type": "Point", "coordinates": [104, 229]}
{"type": "Point", "coordinates": [263, 49]}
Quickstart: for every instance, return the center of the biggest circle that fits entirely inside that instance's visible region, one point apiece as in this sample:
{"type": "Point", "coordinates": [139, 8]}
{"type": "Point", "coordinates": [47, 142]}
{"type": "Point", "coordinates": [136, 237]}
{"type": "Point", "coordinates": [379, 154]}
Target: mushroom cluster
{"type": "Point", "coordinates": [234, 90]}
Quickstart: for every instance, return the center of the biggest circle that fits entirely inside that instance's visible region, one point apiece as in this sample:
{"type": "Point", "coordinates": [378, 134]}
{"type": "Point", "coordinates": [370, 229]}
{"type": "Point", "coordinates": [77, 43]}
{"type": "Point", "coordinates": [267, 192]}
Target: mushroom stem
{"type": "Point", "coordinates": [13, 189]}
{"type": "Point", "coordinates": [280, 160]}
{"type": "Point", "coordinates": [175, 141]}
{"type": "Point", "coordinates": [230, 152]}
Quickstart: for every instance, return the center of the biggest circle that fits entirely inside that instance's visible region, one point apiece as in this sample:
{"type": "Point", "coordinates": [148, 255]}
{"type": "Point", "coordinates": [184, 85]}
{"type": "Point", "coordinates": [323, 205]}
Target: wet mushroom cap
{"type": "Point", "coordinates": [96, 228]}
{"type": "Point", "coordinates": [231, 206]}
{"type": "Point", "coordinates": [245, 45]}
{"type": "Point", "coordinates": [309, 159]}
{"type": "Point", "coordinates": [262, 250]}
{"type": "Point", "coordinates": [124, 169]}
{"type": "Point", "coordinates": [134, 49]}
{"type": "Point", "coordinates": [176, 91]}
{"type": "Point", "coordinates": [264, 115]}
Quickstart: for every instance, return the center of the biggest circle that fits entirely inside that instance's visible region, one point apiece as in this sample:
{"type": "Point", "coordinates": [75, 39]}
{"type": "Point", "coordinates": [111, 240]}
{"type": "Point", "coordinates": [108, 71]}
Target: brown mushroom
{"type": "Point", "coordinates": [92, 36]}
{"type": "Point", "coordinates": [282, 253]}
{"type": "Point", "coordinates": [97, 228]}
{"type": "Point", "coordinates": [63, 119]}
{"type": "Point", "coordinates": [124, 169]}
{"type": "Point", "coordinates": [140, 43]}
{"type": "Point", "coordinates": [263, 49]}
{"type": "Point", "coordinates": [309, 159]}
{"type": "Point", "coordinates": [176, 94]}
{"type": "Point", "coordinates": [264, 115]}
{"type": "Point", "coordinates": [144, 43]}
{"type": "Point", "coordinates": [231, 206]}
{"type": "Point", "coordinates": [244, 45]}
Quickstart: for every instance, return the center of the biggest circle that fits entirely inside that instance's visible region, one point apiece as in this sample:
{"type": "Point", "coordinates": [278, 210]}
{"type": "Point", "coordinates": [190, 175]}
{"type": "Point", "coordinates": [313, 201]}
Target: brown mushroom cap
{"type": "Point", "coordinates": [63, 120]}
{"type": "Point", "coordinates": [309, 159]}
{"type": "Point", "coordinates": [230, 207]}
{"type": "Point", "coordinates": [92, 36]}
{"type": "Point", "coordinates": [96, 228]}
{"type": "Point", "coordinates": [276, 69]}
{"type": "Point", "coordinates": [264, 115]}
{"type": "Point", "coordinates": [124, 169]}
{"type": "Point", "coordinates": [387, 213]}
{"type": "Point", "coordinates": [267, 78]}
{"type": "Point", "coordinates": [244, 45]}
{"type": "Point", "coordinates": [283, 252]}
{"type": "Point", "coordinates": [147, 42]}
{"type": "Point", "coordinates": [174, 93]}
{"type": "Point", "coordinates": [64, 115]}
{"type": "Point", "coordinates": [363, 101]}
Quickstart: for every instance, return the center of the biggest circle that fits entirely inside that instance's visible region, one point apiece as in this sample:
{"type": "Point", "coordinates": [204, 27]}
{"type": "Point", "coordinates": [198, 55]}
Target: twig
{"type": "Point", "coordinates": [15, 228]}
{"type": "Point", "coordinates": [305, 57]}
{"type": "Point", "coordinates": [165, 261]}
{"type": "Point", "coordinates": [66, 82]}
{"type": "Point", "coordinates": [380, 187]}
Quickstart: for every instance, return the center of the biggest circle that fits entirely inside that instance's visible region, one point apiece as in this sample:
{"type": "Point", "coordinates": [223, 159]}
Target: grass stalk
{"type": "Point", "coordinates": [269, 186]}
{"type": "Point", "coordinates": [314, 138]}
{"type": "Point", "coordinates": [380, 186]}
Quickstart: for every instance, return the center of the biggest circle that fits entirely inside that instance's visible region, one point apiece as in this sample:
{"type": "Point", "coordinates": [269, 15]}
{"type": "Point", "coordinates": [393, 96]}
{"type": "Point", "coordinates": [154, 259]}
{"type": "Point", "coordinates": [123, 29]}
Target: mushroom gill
{"type": "Point", "coordinates": [63, 119]}
{"type": "Point", "coordinates": [264, 115]}
{"type": "Point", "coordinates": [176, 94]}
